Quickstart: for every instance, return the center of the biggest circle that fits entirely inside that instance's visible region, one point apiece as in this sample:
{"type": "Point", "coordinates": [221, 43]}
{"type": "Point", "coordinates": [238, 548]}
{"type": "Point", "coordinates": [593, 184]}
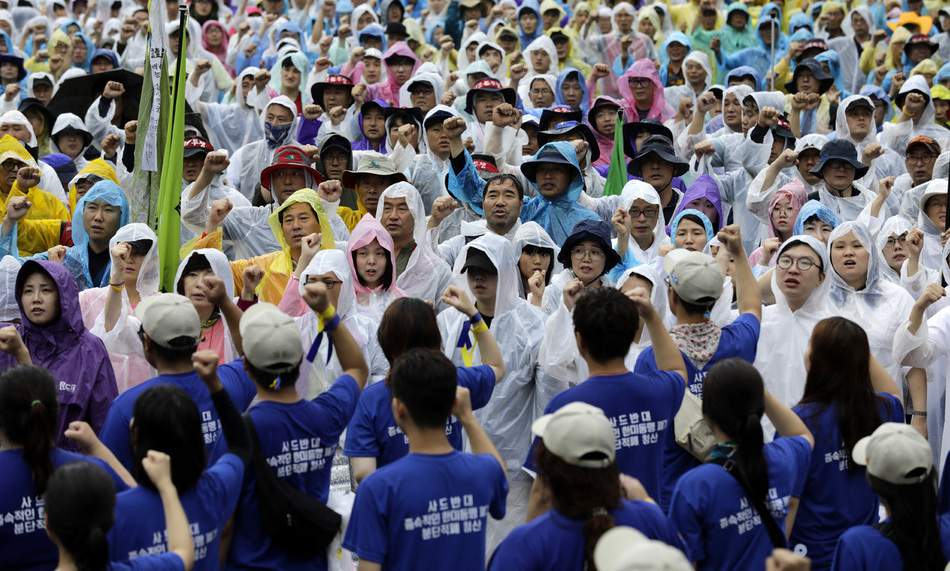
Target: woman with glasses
{"type": "Point", "coordinates": [639, 226]}
{"type": "Point", "coordinates": [587, 256]}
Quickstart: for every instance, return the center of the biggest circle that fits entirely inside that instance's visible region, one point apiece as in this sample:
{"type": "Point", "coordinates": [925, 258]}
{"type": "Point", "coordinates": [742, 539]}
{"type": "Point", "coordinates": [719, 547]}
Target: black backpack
{"type": "Point", "coordinates": [294, 520]}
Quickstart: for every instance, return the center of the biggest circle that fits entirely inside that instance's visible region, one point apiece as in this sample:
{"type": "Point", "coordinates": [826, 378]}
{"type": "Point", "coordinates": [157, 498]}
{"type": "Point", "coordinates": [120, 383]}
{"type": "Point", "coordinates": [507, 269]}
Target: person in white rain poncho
{"type": "Point", "coordinates": [428, 168]}
{"type": "Point", "coordinates": [639, 225]}
{"type": "Point", "coordinates": [537, 253]}
{"type": "Point", "coordinates": [231, 125]}
{"type": "Point", "coordinates": [70, 137]}
{"type": "Point", "coordinates": [487, 266]}
{"type": "Point", "coordinates": [916, 117]}
{"type": "Point", "coordinates": [279, 123]}
{"type": "Point", "coordinates": [420, 272]}
{"type": "Point", "coordinates": [9, 308]}
{"type": "Point", "coordinates": [840, 170]}
{"type": "Point", "coordinates": [106, 310]}
{"type": "Point", "coordinates": [321, 364]}
{"type": "Point", "coordinates": [587, 258]}
{"type": "Point", "coordinates": [800, 285]}
{"type": "Point", "coordinates": [855, 122]}
{"type": "Point", "coordinates": [789, 166]}
{"type": "Point", "coordinates": [859, 293]}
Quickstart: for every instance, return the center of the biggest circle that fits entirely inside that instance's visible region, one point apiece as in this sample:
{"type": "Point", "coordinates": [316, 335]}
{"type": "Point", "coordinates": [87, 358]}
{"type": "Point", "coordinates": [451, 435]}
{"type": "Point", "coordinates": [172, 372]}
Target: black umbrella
{"type": "Point", "coordinates": [76, 94]}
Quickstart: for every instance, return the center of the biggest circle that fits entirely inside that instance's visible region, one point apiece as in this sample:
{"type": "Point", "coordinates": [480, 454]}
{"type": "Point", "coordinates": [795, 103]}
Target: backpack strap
{"type": "Point", "coordinates": [775, 533]}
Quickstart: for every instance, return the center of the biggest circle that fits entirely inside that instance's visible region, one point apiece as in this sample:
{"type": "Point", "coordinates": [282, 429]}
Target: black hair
{"type": "Point", "coordinates": [407, 323]}
{"type": "Point", "coordinates": [694, 308]}
{"type": "Point", "coordinates": [734, 399]}
{"type": "Point", "coordinates": [387, 277]}
{"type": "Point", "coordinates": [80, 511]}
{"type": "Point", "coordinates": [196, 262]}
{"type": "Point", "coordinates": [796, 243]}
{"type": "Point", "coordinates": [913, 525]}
{"type": "Point", "coordinates": [607, 322]}
{"type": "Point", "coordinates": [265, 379]}
{"type": "Point", "coordinates": [503, 177]}
{"type": "Point", "coordinates": [838, 376]}
{"type": "Point", "coordinates": [532, 250]}
{"type": "Point", "coordinates": [167, 420]}
{"type": "Point", "coordinates": [28, 418]}
{"type": "Point", "coordinates": [280, 215]}
{"type": "Point", "coordinates": [581, 493]}
{"type": "Point", "coordinates": [424, 380]}
{"type": "Point", "coordinates": [694, 219]}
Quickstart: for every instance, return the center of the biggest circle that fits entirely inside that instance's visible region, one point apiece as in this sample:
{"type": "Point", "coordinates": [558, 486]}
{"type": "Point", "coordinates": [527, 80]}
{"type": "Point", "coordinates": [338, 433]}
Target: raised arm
{"type": "Point", "coordinates": [158, 466]}
{"type": "Point", "coordinates": [665, 351]}
{"type": "Point", "coordinates": [487, 346]}
{"type": "Point", "coordinates": [477, 438]}
{"type": "Point", "coordinates": [786, 422]}
{"type": "Point", "coordinates": [747, 289]}
{"type": "Point", "coordinates": [214, 290]}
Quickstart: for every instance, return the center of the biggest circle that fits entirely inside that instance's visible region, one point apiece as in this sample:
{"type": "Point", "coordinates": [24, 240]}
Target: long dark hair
{"type": "Point", "coordinates": [913, 523]}
{"type": "Point", "coordinates": [167, 420]}
{"type": "Point", "coordinates": [838, 375]}
{"type": "Point", "coordinates": [28, 413]}
{"type": "Point", "coordinates": [734, 399]}
{"type": "Point", "coordinates": [408, 322]}
{"type": "Point", "coordinates": [582, 493]}
{"type": "Point", "coordinates": [80, 511]}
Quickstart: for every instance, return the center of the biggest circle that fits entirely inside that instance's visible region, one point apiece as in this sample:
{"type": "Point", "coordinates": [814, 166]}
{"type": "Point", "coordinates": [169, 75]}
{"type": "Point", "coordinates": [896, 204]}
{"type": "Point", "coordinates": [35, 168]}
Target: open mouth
{"type": "Point", "coordinates": [850, 263]}
{"type": "Point", "coordinates": [791, 282]}
{"type": "Point", "coordinates": [37, 311]}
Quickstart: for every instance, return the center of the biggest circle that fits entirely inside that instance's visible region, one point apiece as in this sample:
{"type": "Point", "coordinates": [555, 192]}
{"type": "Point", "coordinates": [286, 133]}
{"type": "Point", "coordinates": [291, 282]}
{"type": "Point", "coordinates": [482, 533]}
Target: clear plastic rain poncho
{"type": "Point", "coordinates": [122, 341]}
{"type": "Point", "coordinates": [217, 337]}
{"type": "Point", "coordinates": [893, 227]}
{"type": "Point", "coordinates": [371, 302]}
{"type": "Point", "coordinates": [632, 191]}
{"type": "Point", "coordinates": [9, 308]}
{"type": "Point", "coordinates": [890, 164]}
{"type": "Point", "coordinates": [244, 172]}
{"type": "Point", "coordinates": [233, 124]}
{"type": "Point", "coordinates": [896, 135]}
{"type": "Point", "coordinates": [532, 234]}
{"type": "Point", "coordinates": [881, 307]}
{"type": "Point", "coordinates": [426, 275]}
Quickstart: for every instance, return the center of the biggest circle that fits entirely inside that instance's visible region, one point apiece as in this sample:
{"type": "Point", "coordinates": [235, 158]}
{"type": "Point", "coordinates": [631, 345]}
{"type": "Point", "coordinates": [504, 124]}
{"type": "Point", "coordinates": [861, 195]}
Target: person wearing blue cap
{"type": "Point", "coordinates": [840, 171]}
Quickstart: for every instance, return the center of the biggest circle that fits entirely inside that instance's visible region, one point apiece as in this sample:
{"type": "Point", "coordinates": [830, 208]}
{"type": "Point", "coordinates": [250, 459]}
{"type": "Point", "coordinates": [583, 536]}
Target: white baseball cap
{"type": "Point", "coordinates": [576, 431]}
{"type": "Point", "coordinates": [270, 338]}
{"type": "Point", "coordinates": [895, 453]}
{"type": "Point", "coordinates": [694, 276]}
{"type": "Point", "coordinates": [167, 317]}
{"type": "Point", "coordinates": [626, 549]}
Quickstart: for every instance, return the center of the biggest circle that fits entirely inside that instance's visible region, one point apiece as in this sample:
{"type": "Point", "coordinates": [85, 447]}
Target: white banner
{"type": "Point", "coordinates": [157, 48]}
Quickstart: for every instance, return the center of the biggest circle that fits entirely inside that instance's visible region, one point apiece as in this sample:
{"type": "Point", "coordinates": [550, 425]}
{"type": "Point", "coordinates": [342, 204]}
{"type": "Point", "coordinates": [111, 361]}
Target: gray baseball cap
{"type": "Point", "coordinates": [168, 317]}
{"type": "Point", "coordinates": [895, 453]}
{"type": "Point", "coordinates": [694, 276]}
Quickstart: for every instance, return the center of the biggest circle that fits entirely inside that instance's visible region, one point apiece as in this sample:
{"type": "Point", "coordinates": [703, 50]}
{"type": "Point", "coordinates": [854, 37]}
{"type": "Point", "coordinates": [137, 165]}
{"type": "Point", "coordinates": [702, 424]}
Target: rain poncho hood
{"type": "Point", "coordinates": [707, 225]}
{"type": "Point", "coordinates": [68, 121]}
{"type": "Point", "coordinates": [501, 253]}
{"type": "Point", "coordinates": [743, 71]}
{"type": "Point", "coordinates": [840, 290]}
{"type": "Point", "coordinates": [389, 91]}
{"type": "Point", "coordinates": [702, 59]}
{"type": "Point", "coordinates": [97, 167]}
{"type": "Point", "coordinates": [16, 118]}
{"type": "Point", "coordinates": [9, 306]}
{"type": "Point", "coordinates": [529, 6]}
{"type": "Point", "coordinates": [558, 216]}
{"type": "Point", "coordinates": [841, 123]}
{"type": "Point", "coordinates": [367, 230]}
{"type": "Point", "coordinates": [893, 226]}
{"type": "Point", "coordinates": [811, 209]}
{"type": "Point", "coordinates": [147, 281]}
{"type": "Point", "coordinates": [585, 96]}
{"type": "Point", "coordinates": [703, 187]}
{"type": "Point", "coordinates": [220, 267]}
{"type": "Point", "coordinates": [675, 37]}
{"type": "Point", "coordinates": [283, 263]}
{"type": "Point", "coordinates": [532, 234]}
{"type": "Point", "coordinates": [77, 258]}
{"type": "Point", "coordinates": [659, 110]}
{"type": "Point", "coordinates": [335, 262]}
{"type": "Point", "coordinates": [633, 190]}
{"type": "Point", "coordinates": [734, 40]}
{"type": "Point", "coordinates": [542, 43]}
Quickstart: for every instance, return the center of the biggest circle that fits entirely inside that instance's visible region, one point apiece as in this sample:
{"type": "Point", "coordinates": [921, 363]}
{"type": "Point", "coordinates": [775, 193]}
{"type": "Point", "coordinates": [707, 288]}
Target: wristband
{"type": "Point", "coordinates": [328, 313]}
{"type": "Point", "coordinates": [475, 318]}
{"type": "Point", "coordinates": [922, 413]}
{"type": "Point", "coordinates": [116, 287]}
{"type": "Point", "coordinates": [479, 327]}
{"type": "Point", "coordinates": [332, 323]}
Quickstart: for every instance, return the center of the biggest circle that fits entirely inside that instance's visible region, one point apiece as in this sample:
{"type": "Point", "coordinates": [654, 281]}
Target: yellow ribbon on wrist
{"type": "Point", "coordinates": [328, 313]}
{"type": "Point", "coordinates": [479, 327]}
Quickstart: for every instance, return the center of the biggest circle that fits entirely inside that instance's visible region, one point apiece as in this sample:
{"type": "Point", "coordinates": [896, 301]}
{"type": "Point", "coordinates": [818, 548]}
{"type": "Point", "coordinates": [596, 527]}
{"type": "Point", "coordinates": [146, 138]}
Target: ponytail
{"type": "Point", "coordinates": [587, 494]}
{"type": "Point", "coordinates": [913, 525]}
{"type": "Point", "coordinates": [749, 457]}
{"type": "Point", "coordinates": [28, 411]}
{"type": "Point", "coordinates": [80, 511]}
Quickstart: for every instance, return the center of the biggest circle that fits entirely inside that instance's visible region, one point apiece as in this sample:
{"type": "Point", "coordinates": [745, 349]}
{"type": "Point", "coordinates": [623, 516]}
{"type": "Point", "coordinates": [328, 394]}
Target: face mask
{"type": "Point", "coordinates": [276, 134]}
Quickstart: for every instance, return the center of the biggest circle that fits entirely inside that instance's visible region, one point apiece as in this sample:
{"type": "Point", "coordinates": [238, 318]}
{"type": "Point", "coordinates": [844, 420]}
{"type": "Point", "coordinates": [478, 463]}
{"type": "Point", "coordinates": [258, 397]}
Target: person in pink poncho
{"type": "Point", "coordinates": [401, 62]}
{"type": "Point", "coordinates": [642, 94]}
{"type": "Point", "coordinates": [602, 118]}
{"type": "Point", "coordinates": [783, 210]}
{"type": "Point", "coordinates": [372, 259]}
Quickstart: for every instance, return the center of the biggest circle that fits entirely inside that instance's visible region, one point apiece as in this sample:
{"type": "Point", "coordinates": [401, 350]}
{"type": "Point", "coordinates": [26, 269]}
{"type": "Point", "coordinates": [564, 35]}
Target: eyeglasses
{"type": "Point", "coordinates": [592, 253]}
{"type": "Point", "coordinates": [803, 264]}
{"type": "Point", "coordinates": [649, 213]}
{"type": "Point", "coordinates": [639, 82]}
{"type": "Point", "coordinates": [11, 165]}
{"type": "Point", "coordinates": [917, 158]}
{"type": "Point", "coordinates": [902, 239]}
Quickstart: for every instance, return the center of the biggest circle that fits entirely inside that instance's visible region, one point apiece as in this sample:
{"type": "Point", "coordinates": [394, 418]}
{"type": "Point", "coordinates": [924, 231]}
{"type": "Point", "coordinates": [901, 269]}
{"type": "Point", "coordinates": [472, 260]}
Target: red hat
{"type": "Point", "coordinates": [197, 145]}
{"type": "Point", "coordinates": [289, 157]}
{"type": "Point", "coordinates": [490, 85]}
{"type": "Point", "coordinates": [484, 166]}
{"type": "Point", "coordinates": [316, 90]}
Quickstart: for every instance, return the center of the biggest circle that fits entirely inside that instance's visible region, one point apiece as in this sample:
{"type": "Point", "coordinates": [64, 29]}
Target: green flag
{"type": "Point", "coordinates": [169, 195]}
{"type": "Point", "coordinates": [617, 173]}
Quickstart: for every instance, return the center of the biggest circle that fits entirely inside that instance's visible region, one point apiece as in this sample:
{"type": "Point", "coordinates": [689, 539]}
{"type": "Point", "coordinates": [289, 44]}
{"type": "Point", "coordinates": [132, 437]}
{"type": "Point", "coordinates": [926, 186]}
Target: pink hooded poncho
{"type": "Point", "coordinates": [795, 192]}
{"type": "Point", "coordinates": [605, 143]}
{"type": "Point", "coordinates": [367, 230]}
{"type": "Point", "coordinates": [388, 90]}
{"type": "Point", "coordinates": [220, 52]}
{"type": "Point", "coordinates": [659, 111]}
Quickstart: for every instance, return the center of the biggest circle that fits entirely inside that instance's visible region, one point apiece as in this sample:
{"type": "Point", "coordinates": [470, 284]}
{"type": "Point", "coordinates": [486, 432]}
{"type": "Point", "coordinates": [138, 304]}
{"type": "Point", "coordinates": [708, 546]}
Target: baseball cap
{"type": "Point", "coordinates": [578, 433]}
{"type": "Point", "coordinates": [479, 260]}
{"type": "Point", "coordinates": [860, 102]}
{"type": "Point", "coordinates": [197, 145]}
{"type": "Point", "coordinates": [694, 276]}
{"type": "Point", "coordinates": [270, 339]}
{"type": "Point", "coordinates": [895, 453]}
{"type": "Point", "coordinates": [624, 548]}
{"type": "Point", "coordinates": [170, 320]}
{"type": "Point", "coordinates": [925, 141]}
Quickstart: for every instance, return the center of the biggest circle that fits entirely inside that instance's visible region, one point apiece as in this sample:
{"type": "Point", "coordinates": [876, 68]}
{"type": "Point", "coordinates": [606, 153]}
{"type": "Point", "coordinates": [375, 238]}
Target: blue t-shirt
{"type": "Point", "coordinates": [428, 512]}
{"type": "Point", "coordinates": [738, 339]}
{"type": "Point", "coordinates": [298, 441]}
{"type": "Point", "coordinates": [833, 497]}
{"type": "Point", "coordinates": [373, 433]}
{"type": "Point", "coordinates": [641, 409]}
{"type": "Point", "coordinates": [23, 541]}
{"type": "Point", "coordinates": [718, 523]}
{"type": "Point", "coordinates": [163, 562]}
{"type": "Point", "coordinates": [139, 528]}
{"type": "Point", "coordinates": [553, 542]}
{"type": "Point", "coordinates": [241, 389]}
{"type": "Point", "coordinates": [863, 548]}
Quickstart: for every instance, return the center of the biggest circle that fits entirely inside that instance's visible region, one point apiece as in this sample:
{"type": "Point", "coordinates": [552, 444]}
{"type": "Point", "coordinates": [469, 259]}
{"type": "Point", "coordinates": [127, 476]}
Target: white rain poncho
{"type": "Point", "coordinates": [633, 190]}
{"type": "Point", "coordinates": [230, 125]}
{"type": "Point", "coordinates": [427, 171]}
{"type": "Point", "coordinates": [521, 395]}
{"type": "Point", "coordinates": [758, 198]}
{"type": "Point", "coordinates": [847, 208]}
{"type": "Point", "coordinates": [784, 334]}
{"type": "Point", "coordinates": [432, 79]}
{"type": "Point", "coordinates": [881, 307]}
{"type": "Point", "coordinates": [560, 359]}
{"type": "Point", "coordinates": [122, 341]}
{"type": "Point", "coordinates": [910, 195]}
{"type": "Point", "coordinates": [524, 90]}
{"type": "Point", "coordinates": [896, 135]}
{"type": "Point", "coordinates": [244, 172]}
{"type": "Point", "coordinates": [49, 180]}
{"type": "Point", "coordinates": [316, 370]}
{"type": "Point", "coordinates": [554, 292]}
{"type": "Point", "coordinates": [426, 275]}
{"type": "Point", "coordinates": [543, 43]}
{"type": "Point", "coordinates": [930, 254]}
{"type": "Point", "coordinates": [849, 54]}
{"type": "Point", "coordinates": [473, 39]}
{"type": "Point", "coordinates": [894, 226]}
{"type": "Point", "coordinates": [221, 268]}
{"type": "Point", "coordinates": [532, 234]}
{"type": "Point", "coordinates": [9, 308]}
{"type": "Point", "coordinates": [888, 164]}
{"type": "Point", "coordinates": [68, 121]}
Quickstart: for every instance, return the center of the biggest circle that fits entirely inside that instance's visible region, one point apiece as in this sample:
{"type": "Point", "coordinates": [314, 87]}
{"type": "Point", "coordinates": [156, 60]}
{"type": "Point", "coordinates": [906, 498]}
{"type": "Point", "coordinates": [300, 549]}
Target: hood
{"type": "Point", "coordinates": [659, 110]}
{"type": "Point", "coordinates": [913, 83]}
{"type": "Point", "coordinates": [220, 267]}
{"type": "Point", "coordinates": [585, 95]}
{"type": "Point", "coordinates": [16, 118]}
{"type": "Point", "coordinates": [528, 6]}
{"type": "Point", "coordinates": [811, 209]}
{"type": "Point", "coordinates": [104, 191]}
{"type": "Point", "coordinates": [841, 123]}
{"type": "Point", "coordinates": [541, 43]}
{"type": "Point", "coordinates": [936, 187]}
{"type": "Point", "coordinates": [702, 59]}
{"type": "Point", "coordinates": [302, 196]}
{"type": "Point", "coordinates": [707, 224]}
{"type": "Point", "coordinates": [476, 38]}
{"type": "Point", "coordinates": [840, 290]}
{"type": "Point", "coordinates": [796, 194]}
{"type": "Point", "coordinates": [13, 147]}
{"type": "Point", "coordinates": [432, 79]}
{"type": "Point", "coordinates": [658, 297]}
{"type": "Point", "coordinates": [744, 70]}
{"type": "Point", "coordinates": [68, 121]}
{"type": "Point", "coordinates": [633, 190]}
{"type": "Point", "coordinates": [147, 281]}
{"type": "Point", "coordinates": [774, 99]}
{"type": "Point", "coordinates": [893, 226]}
{"type": "Point", "coordinates": [817, 304]}
{"type": "Point", "coordinates": [834, 66]}
{"type": "Point", "coordinates": [33, 78]}
{"type": "Point", "coordinates": [703, 187]}
{"type": "Point", "coordinates": [416, 209]}
{"type": "Point", "coordinates": [286, 103]}
{"type": "Point", "coordinates": [299, 60]}
{"type": "Point", "coordinates": [678, 37]}
{"type": "Point", "coordinates": [367, 230]}
{"type": "Point", "coordinates": [524, 88]}
{"type": "Point", "coordinates": [9, 306]}
{"type": "Point", "coordinates": [97, 167]}
{"type": "Point", "coordinates": [331, 261]}
{"type": "Point", "coordinates": [239, 95]}
{"type": "Point", "coordinates": [865, 14]}
{"type": "Point", "coordinates": [69, 326]}
{"type": "Point", "coordinates": [502, 255]}
{"type": "Point", "coordinates": [532, 234]}
{"type": "Point", "coordinates": [401, 49]}
{"type": "Point", "coordinates": [740, 92]}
